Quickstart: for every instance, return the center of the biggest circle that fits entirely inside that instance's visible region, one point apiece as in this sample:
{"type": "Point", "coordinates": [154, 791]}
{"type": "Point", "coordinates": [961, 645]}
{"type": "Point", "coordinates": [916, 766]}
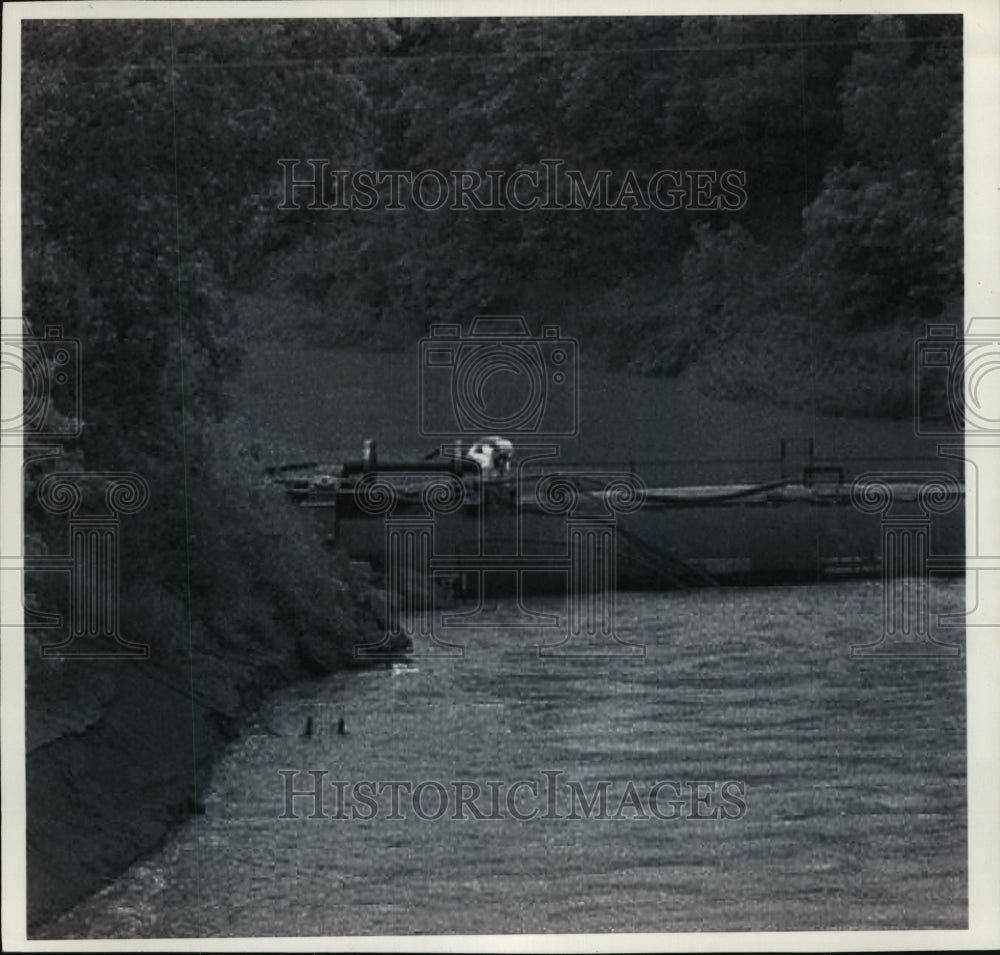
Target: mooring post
{"type": "Point", "coordinates": [369, 455]}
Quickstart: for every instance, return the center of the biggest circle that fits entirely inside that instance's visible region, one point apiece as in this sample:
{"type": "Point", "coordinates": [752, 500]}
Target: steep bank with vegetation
{"type": "Point", "coordinates": [120, 749]}
{"type": "Point", "coordinates": [230, 596]}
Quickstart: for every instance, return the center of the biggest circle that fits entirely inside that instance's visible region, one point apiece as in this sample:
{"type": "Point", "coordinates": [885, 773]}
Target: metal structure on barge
{"type": "Point", "coordinates": [482, 520]}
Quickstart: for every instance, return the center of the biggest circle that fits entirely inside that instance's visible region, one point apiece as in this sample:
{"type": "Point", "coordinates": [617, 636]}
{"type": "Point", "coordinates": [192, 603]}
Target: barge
{"type": "Point", "coordinates": [481, 521]}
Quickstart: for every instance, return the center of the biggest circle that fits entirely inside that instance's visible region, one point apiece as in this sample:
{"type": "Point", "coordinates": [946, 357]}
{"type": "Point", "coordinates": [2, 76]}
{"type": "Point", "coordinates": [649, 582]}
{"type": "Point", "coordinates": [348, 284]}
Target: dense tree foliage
{"type": "Point", "coordinates": [153, 149]}
{"type": "Point", "coordinates": [148, 154]}
{"type": "Point", "coordinates": [848, 131]}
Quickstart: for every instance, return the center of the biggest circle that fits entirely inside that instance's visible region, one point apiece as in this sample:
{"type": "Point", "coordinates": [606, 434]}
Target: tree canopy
{"type": "Point", "coordinates": [153, 181]}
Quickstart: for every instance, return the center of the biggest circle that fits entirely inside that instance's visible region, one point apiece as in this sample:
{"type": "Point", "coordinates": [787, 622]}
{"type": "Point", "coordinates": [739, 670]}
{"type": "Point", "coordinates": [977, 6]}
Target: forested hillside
{"type": "Point", "coordinates": [848, 131]}
{"type": "Point", "coordinates": [154, 151]}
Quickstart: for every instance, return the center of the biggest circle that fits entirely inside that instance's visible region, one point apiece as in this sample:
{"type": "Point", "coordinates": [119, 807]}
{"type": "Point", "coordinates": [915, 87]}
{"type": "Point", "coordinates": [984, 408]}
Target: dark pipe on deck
{"type": "Point", "coordinates": [464, 466]}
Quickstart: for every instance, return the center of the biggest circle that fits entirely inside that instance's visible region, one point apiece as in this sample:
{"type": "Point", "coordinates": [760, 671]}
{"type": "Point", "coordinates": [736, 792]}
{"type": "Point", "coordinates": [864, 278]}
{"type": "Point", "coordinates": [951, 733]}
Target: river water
{"type": "Point", "coordinates": [832, 786]}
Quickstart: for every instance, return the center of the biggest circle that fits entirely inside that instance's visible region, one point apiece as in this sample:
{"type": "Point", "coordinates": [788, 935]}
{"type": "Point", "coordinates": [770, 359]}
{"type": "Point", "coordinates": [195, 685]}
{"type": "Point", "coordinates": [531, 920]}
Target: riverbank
{"type": "Point", "coordinates": [120, 750]}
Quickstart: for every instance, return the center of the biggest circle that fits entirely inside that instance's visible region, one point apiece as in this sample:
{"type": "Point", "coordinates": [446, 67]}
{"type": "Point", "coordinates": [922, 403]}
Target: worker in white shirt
{"type": "Point", "coordinates": [493, 455]}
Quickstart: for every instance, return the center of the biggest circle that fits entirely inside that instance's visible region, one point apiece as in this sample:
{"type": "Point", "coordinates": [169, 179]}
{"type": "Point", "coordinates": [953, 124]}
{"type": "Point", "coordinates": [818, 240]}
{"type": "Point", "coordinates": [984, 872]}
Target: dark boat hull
{"type": "Point", "coordinates": [673, 538]}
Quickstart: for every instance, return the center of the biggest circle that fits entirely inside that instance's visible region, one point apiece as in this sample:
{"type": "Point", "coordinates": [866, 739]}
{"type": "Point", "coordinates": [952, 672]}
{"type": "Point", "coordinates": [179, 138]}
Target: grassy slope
{"type": "Point", "coordinates": [303, 401]}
